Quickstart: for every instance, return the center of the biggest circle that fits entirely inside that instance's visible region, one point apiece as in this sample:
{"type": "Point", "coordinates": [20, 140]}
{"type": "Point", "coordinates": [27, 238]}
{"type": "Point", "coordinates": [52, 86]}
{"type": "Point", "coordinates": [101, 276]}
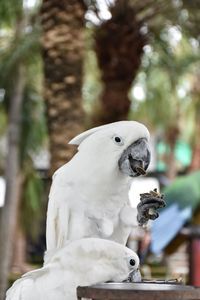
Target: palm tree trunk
{"type": "Point", "coordinates": [8, 213]}
{"type": "Point", "coordinates": [119, 46]}
{"type": "Point", "coordinates": [63, 45]}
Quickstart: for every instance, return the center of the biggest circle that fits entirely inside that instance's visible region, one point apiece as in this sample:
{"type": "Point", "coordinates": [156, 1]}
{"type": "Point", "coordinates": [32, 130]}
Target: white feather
{"type": "Point", "coordinates": [88, 193]}
{"type": "Point", "coordinates": [80, 263]}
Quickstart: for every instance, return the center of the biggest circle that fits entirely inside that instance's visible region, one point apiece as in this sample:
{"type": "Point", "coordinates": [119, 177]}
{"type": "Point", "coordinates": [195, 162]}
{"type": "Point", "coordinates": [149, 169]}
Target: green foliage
{"type": "Point", "coordinates": [33, 138]}
{"type": "Point", "coordinates": [92, 85]}
{"type": "Point", "coordinates": [167, 68]}
{"type": "Point", "coordinates": [3, 120]}
{"type": "Point", "coordinates": [191, 17]}
{"type": "Point", "coordinates": [33, 129]}
{"type": "Point", "coordinates": [32, 203]}
{"type": "Point", "coordinates": [20, 50]}
{"type": "Point", "coordinates": [10, 11]}
{"type": "Point", "coordinates": [23, 47]}
{"type": "Point", "coordinates": [26, 49]}
{"type": "Point", "coordinates": [166, 72]}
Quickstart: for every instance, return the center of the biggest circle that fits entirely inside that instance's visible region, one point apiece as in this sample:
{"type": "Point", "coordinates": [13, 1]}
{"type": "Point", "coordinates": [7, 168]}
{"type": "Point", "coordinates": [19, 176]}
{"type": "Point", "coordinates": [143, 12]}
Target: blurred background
{"type": "Point", "coordinates": [69, 65]}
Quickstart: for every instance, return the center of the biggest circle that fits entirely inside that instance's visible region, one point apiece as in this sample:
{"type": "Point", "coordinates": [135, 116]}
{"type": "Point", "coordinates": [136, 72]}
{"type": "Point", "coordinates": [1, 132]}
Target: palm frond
{"type": "Point", "coordinates": [24, 50]}
{"type": "Point", "coordinates": [10, 11]}
{"type": "Point", "coordinates": [32, 202]}
{"type": "Point", "coordinates": [34, 130]}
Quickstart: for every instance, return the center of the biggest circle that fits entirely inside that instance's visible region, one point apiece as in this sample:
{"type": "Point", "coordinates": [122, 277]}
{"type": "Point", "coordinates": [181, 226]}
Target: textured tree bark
{"type": "Point", "coordinates": [63, 45]}
{"type": "Point", "coordinates": [8, 213]}
{"type": "Point", "coordinates": [119, 46]}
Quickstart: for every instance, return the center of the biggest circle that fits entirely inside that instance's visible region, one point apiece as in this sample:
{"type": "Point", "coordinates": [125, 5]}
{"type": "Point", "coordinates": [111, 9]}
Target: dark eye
{"type": "Point", "coordinates": [118, 140]}
{"type": "Point", "coordinates": [132, 262]}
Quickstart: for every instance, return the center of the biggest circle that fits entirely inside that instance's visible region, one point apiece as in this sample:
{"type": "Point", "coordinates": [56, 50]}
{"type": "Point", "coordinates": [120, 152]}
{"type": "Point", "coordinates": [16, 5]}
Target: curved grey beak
{"type": "Point", "coordinates": [135, 276]}
{"type": "Point", "coordinates": [135, 160]}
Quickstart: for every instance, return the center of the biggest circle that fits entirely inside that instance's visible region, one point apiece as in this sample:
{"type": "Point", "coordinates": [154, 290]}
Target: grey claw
{"type": "Point", "coordinates": [147, 208]}
{"type": "Point", "coordinates": [154, 216]}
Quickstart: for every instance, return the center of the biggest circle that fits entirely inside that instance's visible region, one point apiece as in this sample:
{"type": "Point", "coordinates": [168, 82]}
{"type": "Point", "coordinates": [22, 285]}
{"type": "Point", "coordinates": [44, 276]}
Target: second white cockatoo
{"type": "Point", "coordinates": [80, 263]}
{"type": "Point", "coordinates": [89, 194]}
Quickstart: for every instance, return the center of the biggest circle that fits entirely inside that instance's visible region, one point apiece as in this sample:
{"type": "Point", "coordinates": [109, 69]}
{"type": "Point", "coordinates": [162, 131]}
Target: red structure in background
{"type": "Point", "coordinates": [194, 254]}
{"type": "Point", "coordinates": [193, 234]}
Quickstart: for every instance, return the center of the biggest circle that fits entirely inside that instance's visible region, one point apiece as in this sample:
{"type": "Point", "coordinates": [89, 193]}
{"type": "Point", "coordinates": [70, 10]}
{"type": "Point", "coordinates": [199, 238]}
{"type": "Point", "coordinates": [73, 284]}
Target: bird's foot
{"type": "Point", "coordinates": [148, 206]}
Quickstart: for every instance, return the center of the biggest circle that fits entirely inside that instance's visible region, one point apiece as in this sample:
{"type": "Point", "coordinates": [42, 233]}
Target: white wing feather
{"type": "Point", "coordinates": [57, 215]}
{"type": "Point", "coordinates": [89, 192]}
{"type": "Point", "coordinates": [82, 262]}
{"type": "Point", "coordinates": [22, 289]}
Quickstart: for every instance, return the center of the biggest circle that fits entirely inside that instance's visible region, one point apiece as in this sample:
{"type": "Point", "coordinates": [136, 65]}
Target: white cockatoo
{"type": "Point", "coordinates": [80, 263]}
{"type": "Point", "coordinates": [89, 194]}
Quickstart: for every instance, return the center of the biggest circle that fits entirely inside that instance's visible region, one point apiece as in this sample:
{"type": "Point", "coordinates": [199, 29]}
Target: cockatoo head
{"type": "Point", "coordinates": [101, 260]}
{"type": "Point", "coordinates": [123, 146]}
